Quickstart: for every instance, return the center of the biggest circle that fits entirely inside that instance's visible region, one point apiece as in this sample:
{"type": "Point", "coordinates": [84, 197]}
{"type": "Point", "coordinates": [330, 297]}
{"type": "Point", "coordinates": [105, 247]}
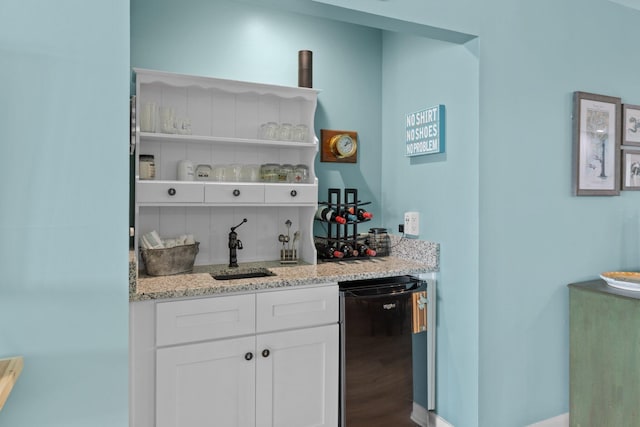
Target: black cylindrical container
{"type": "Point", "coordinates": [305, 68]}
{"type": "Point", "coordinates": [379, 241]}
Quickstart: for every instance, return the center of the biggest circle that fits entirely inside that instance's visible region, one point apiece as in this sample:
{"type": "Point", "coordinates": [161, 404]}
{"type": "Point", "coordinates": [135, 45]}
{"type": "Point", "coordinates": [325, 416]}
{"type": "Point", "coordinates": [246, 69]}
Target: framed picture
{"type": "Point", "coordinates": [596, 138]}
{"type": "Point", "coordinates": [631, 125]}
{"type": "Point", "coordinates": [631, 170]}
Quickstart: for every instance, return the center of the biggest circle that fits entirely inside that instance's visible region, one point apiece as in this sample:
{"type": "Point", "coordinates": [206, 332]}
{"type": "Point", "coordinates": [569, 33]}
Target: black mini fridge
{"type": "Point", "coordinates": [387, 352]}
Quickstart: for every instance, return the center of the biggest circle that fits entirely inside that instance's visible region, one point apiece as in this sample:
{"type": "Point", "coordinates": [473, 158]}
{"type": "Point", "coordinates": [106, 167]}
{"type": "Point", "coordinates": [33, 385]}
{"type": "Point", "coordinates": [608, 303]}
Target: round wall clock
{"type": "Point", "coordinates": [342, 145]}
{"type": "Point", "coordinates": [339, 146]}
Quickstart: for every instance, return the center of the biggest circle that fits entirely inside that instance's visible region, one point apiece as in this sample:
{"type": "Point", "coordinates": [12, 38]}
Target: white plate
{"type": "Point", "coordinates": [626, 280]}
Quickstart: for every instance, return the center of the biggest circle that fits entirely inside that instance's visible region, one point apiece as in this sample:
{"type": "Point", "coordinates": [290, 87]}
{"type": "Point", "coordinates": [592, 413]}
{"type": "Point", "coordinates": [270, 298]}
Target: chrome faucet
{"type": "Point", "coordinates": [234, 244]}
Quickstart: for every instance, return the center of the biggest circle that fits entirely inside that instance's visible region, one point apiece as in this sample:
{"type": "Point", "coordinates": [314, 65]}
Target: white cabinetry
{"type": "Point", "coordinates": [256, 360]}
{"type": "Point", "coordinates": [225, 117]}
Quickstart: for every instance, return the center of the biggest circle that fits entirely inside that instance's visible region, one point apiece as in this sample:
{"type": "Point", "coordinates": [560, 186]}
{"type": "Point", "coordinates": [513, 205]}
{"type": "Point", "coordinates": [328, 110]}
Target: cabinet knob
{"type": "Point", "coordinates": [265, 353]}
{"type": "Point", "coordinates": [248, 356]}
{"type": "Point", "coordinates": [294, 193]}
{"type": "Point", "coordinates": [236, 192]}
{"type": "Point", "coordinates": [172, 191]}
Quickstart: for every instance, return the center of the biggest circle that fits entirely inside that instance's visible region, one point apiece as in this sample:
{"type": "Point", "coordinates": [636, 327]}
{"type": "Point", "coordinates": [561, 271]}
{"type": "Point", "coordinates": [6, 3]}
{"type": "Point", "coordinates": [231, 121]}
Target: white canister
{"type": "Point", "coordinates": [203, 172]}
{"type": "Point", "coordinates": [185, 170]}
{"type": "Point", "coordinates": [147, 168]}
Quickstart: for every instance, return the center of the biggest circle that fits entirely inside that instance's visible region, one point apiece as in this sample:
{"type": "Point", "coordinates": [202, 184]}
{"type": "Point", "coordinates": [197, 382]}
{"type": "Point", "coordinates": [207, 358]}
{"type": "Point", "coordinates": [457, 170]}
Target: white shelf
{"type": "Point", "coordinates": [168, 137]}
{"type": "Point", "coordinates": [225, 116]}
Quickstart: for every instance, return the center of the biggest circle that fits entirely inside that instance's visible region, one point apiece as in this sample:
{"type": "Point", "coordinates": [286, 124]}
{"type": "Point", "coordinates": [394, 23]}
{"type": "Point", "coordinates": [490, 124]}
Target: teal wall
{"type": "Point", "coordinates": [419, 73]}
{"type": "Point", "coordinates": [232, 40]}
{"type": "Point", "coordinates": [63, 216]}
{"type": "Point", "coordinates": [533, 236]}
{"type": "Point", "coordinates": [513, 235]}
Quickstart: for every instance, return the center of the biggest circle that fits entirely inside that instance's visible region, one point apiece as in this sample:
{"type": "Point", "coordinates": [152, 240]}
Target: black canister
{"type": "Point", "coordinates": [380, 241]}
{"type": "Point", "coordinates": [305, 68]}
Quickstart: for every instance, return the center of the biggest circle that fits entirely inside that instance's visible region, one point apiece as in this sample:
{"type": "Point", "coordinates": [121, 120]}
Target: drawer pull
{"type": "Point", "coordinates": [265, 353]}
{"type": "Point", "coordinates": [248, 356]}
{"type": "Point", "coordinates": [236, 192]}
{"type": "Point", "coordinates": [293, 193]}
{"type": "Point", "coordinates": [172, 191]}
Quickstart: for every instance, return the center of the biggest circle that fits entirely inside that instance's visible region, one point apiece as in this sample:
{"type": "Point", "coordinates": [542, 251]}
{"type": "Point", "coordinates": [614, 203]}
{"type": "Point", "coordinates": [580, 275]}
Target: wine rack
{"type": "Point", "coordinates": [342, 234]}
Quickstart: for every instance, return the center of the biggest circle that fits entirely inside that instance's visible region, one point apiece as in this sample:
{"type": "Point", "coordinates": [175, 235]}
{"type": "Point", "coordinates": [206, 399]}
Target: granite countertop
{"type": "Point", "coordinates": [407, 257]}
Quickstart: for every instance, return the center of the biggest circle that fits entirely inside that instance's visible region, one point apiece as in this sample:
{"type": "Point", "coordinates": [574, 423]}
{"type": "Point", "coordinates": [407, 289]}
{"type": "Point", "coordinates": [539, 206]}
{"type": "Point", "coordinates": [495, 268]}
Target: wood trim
{"type": "Point", "coordinates": [10, 370]}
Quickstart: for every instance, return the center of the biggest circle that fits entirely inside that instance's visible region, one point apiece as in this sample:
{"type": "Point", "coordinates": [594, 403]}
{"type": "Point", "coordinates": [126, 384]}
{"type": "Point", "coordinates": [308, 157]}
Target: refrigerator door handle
{"type": "Point", "coordinates": [419, 312]}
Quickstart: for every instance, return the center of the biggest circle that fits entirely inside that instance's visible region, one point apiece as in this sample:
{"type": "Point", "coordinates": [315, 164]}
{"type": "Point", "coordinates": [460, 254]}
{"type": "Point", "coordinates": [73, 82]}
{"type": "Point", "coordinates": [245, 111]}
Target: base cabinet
{"type": "Point", "coordinates": [282, 373]}
{"type": "Point", "coordinates": [297, 383]}
{"type": "Point", "coordinates": [604, 352]}
{"type": "Point", "coordinates": [201, 383]}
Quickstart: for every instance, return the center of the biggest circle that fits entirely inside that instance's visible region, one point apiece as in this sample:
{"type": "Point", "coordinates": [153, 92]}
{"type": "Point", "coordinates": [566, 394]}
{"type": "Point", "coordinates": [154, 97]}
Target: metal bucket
{"type": "Point", "coordinates": [165, 262]}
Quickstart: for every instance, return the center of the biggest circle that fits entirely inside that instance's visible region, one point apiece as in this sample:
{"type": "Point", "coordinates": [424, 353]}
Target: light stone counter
{"type": "Point", "coordinates": [407, 257]}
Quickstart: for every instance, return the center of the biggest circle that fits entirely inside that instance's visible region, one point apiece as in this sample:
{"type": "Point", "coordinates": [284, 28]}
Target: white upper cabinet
{"type": "Point", "coordinates": [231, 128]}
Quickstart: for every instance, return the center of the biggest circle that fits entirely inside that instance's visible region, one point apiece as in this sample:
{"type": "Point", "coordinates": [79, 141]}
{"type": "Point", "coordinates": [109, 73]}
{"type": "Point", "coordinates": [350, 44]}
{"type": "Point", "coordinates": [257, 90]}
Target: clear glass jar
{"type": "Point", "coordinates": [299, 175]}
{"type": "Point", "coordinates": [284, 171]}
{"type": "Point", "coordinates": [285, 132]}
{"type": "Point", "coordinates": [269, 172]}
{"type": "Point", "coordinates": [300, 133]}
{"type": "Point", "coordinates": [269, 130]}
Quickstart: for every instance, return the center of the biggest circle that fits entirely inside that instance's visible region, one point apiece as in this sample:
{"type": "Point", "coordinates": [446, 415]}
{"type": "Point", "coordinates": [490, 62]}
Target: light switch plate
{"type": "Point", "coordinates": [412, 223]}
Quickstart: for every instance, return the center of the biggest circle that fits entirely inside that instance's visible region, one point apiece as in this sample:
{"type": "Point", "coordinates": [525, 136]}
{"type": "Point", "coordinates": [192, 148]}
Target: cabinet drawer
{"type": "Point", "coordinates": [296, 308]}
{"type": "Point", "coordinates": [238, 192]}
{"type": "Point", "coordinates": [169, 192]}
{"type": "Point", "coordinates": [290, 193]}
{"type": "Point", "coordinates": [204, 319]}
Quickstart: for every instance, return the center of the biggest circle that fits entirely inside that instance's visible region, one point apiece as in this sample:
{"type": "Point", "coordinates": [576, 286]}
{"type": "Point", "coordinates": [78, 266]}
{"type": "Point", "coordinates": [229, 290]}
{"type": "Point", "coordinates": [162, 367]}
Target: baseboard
{"type": "Point", "coordinates": [559, 421]}
{"type": "Point", "coordinates": [419, 415]}
{"type": "Point", "coordinates": [425, 418]}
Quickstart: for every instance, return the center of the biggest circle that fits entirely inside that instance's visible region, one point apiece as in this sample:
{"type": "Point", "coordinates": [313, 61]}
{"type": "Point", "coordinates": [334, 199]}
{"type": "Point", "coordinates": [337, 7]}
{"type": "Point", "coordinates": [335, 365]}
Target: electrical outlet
{"type": "Point", "coordinates": [412, 223]}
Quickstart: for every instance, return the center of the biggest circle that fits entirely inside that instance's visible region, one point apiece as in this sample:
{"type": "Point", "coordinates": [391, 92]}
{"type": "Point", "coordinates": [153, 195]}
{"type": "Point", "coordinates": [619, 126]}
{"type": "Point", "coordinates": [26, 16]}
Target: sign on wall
{"type": "Point", "coordinates": [425, 131]}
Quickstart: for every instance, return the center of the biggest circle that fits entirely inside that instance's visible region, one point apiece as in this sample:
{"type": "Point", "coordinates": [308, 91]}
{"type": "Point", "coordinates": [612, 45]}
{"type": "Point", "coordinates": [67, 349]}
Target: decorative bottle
{"type": "Point", "coordinates": [364, 250]}
{"type": "Point", "coordinates": [348, 216]}
{"type": "Point", "coordinates": [326, 251]}
{"type": "Point", "coordinates": [348, 250]}
{"type": "Point", "coordinates": [329, 215]}
{"type": "Point", "coordinates": [360, 213]}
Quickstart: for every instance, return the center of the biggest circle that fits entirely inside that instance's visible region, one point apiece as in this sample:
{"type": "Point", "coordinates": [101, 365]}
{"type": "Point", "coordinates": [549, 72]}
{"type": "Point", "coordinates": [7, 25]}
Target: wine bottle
{"type": "Point", "coordinates": [327, 251]}
{"type": "Point", "coordinates": [348, 251]}
{"type": "Point", "coordinates": [348, 216]}
{"type": "Point", "coordinates": [365, 250]}
{"type": "Point", "coordinates": [329, 215]}
{"type": "Point", "coordinates": [360, 213]}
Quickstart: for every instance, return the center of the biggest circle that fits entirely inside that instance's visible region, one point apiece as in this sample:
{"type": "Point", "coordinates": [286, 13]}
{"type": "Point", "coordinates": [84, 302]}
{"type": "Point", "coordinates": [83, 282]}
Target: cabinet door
{"type": "Point", "coordinates": [207, 384]}
{"type": "Point", "coordinates": [297, 380]}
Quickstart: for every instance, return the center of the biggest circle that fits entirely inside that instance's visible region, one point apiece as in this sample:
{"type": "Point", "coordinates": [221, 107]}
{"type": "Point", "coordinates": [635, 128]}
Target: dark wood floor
{"type": "Point", "coordinates": [378, 364]}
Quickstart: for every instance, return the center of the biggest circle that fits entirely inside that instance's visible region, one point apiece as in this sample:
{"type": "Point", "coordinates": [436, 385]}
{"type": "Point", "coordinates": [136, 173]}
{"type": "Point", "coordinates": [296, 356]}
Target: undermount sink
{"type": "Point", "coordinates": [230, 275]}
